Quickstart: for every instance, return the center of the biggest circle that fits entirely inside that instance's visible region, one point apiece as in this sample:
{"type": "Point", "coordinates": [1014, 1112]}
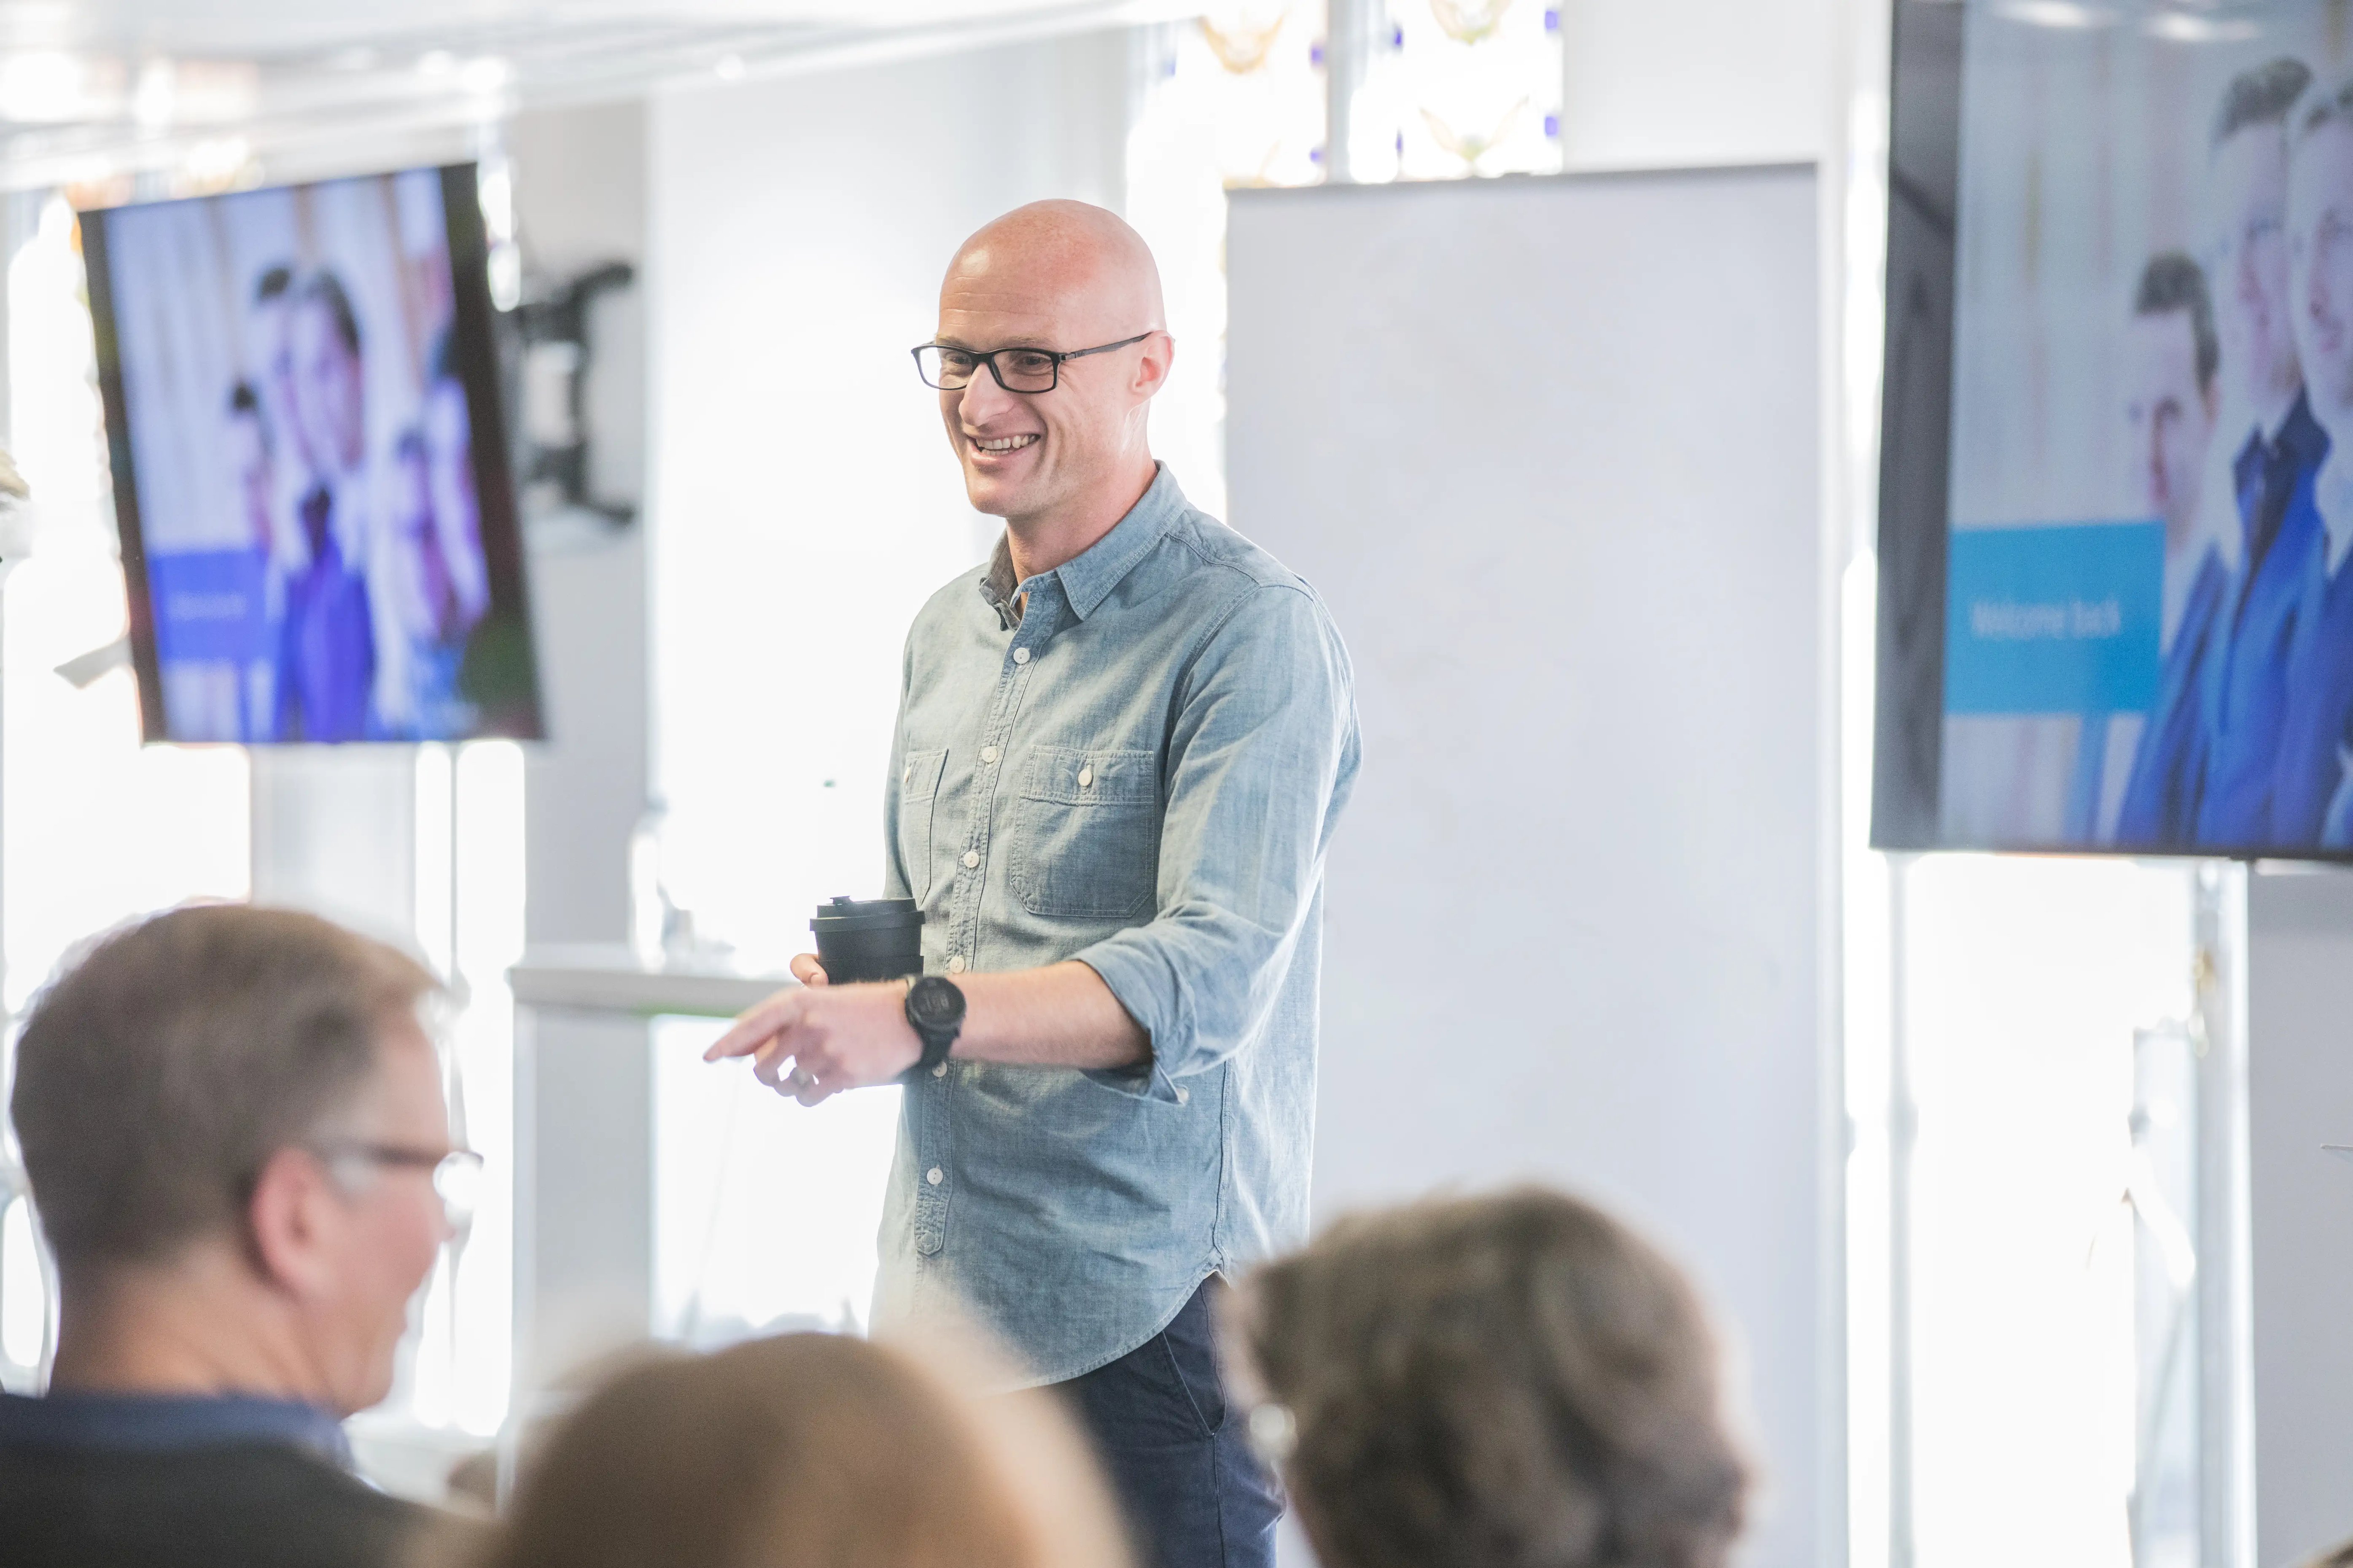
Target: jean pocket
{"type": "Point", "coordinates": [919, 790]}
{"type": "Point", "coordinates": [1086, 842]}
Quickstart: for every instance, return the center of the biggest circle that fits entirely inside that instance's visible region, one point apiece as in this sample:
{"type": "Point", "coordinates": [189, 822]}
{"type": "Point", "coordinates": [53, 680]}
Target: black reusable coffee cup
{"type": "Point", "coordinates": [878, 939]}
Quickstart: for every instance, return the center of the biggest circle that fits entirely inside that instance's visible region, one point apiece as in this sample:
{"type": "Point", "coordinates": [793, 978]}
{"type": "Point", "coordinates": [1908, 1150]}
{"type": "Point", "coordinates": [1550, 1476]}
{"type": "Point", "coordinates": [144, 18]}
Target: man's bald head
{"type": "Point", "coordinates": [1059, 457]}
{"type": "Point", "coordinates": [1078, 262]}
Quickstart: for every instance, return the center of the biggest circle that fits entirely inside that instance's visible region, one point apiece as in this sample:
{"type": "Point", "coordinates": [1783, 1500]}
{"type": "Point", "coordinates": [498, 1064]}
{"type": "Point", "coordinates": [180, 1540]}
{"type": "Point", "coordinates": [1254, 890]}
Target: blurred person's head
{"type": "Point", "coordinates": [2171, 402]}
{"type": "Point", "coordinates": [231, 1118]}
{"type": "Point", "coordinates": [428, 605]}
{"type": "Point", "coordinates": [1507, 1382]}
{"type": "Point", "coordinates": [1059, 276]}
{"type": "Point", "coordinates": [809, 1451]}
{"type": "Point", "coordinates": [2320, 252]}
{"type": "Point", "coordinates": [330, 397]}
{"type": "Point", "coordinates": [271, 350]}
{"type": "Point", "coordinates": [448, 422]}
{"type": "Point", "coordinates": [2247, 219]}
{"type": "Point", "coordinates": [249, 464]}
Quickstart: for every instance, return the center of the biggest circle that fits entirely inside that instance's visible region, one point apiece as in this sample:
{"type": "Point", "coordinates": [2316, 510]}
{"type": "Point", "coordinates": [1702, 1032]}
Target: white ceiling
{"type": "Point", "coordinates": [106, 87]}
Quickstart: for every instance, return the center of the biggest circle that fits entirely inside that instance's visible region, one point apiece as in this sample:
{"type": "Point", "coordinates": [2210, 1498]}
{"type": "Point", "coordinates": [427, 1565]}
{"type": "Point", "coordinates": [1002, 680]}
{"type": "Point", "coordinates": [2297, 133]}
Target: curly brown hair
{"type": "Point", "coordinates": [1516, 1381]}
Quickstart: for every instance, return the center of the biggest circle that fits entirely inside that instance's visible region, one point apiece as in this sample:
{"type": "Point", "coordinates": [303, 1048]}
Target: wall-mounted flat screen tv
{"type": "Point", "coordinates": [310, 463]}
{"type": "Point", "coordinates": [2116, 481]}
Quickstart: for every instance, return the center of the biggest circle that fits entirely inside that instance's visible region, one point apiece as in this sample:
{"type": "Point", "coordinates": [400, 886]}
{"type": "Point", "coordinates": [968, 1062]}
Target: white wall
{"type": "Point", "coordinates": [1656, 83]}
{"type": "Point", "coordinates": [580, 200]}
{"type": "Point", "coordinates": [1567, 514]}
{"type": "Point", "coordinates": [2300, 1096]}
{"type": "Point", "coordinates": [805, 502]}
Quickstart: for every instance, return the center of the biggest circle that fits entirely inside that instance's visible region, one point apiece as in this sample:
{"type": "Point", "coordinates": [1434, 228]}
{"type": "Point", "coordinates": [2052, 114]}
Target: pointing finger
{"type": "Point", "coordinates": [755, 1025]}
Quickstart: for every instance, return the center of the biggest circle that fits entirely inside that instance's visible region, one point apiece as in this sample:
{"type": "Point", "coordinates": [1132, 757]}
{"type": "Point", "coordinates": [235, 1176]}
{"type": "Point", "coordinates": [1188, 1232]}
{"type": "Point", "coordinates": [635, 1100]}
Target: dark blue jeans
{"type": "Point", "coordinates": [1195, 1495]}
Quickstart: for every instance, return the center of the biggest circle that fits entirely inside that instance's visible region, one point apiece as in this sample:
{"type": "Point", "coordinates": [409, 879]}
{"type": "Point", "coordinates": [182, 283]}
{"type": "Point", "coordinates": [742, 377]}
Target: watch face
{"type": "Point", "coordinates": [934, 1003]}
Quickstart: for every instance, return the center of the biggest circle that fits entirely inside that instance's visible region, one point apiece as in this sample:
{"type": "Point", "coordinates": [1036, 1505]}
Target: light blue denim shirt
{"type": "Point", "coordinates": [1141, 770]}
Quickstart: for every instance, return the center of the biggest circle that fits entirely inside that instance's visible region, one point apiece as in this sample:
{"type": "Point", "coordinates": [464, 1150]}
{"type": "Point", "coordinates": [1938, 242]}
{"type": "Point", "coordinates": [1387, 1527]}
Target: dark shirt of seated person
{"type": "Point", "coordinates": [809, 1451]}
{"type": "Point", "coordinates": [231, 1119]}
{"type": "Point", "coordinates": [1507, 1381]}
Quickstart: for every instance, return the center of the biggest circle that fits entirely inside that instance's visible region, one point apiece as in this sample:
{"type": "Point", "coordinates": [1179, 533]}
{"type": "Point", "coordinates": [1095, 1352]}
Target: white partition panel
{"type": "Point", "coordinates": [1549, 447]}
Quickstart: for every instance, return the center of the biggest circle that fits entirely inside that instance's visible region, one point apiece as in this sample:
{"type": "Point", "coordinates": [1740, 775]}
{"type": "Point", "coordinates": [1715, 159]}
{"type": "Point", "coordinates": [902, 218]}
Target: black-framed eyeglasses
{"type": "Point", "coordinates": [947, 368]}
{"type": "Point", "coordinates": [457, 1173]}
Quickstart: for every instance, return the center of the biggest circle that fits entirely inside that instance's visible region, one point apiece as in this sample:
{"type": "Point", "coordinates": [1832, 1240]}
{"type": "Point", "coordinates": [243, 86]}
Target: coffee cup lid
{"type": "Point", "coordinates": [870, 914]}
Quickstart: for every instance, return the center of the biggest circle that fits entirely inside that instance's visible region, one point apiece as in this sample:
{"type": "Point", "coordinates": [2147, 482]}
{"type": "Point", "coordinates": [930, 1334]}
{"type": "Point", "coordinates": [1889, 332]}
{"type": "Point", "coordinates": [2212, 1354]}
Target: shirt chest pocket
{"type": "Point", "coordinates": [919, 791]}
{"type": "Point", "coordinates": [1086, 833]}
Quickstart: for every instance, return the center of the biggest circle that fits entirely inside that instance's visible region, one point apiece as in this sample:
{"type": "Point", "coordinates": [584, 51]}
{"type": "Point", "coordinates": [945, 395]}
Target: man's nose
{"type": "Point", "coordinates": [983, 398]}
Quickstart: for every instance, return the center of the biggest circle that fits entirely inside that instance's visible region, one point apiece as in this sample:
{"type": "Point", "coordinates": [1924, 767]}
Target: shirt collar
{"type": "Point", "coordinates": [164, 1423]}
{"type": "Point", "coordinates": [2332, 497]}
{"type": "Point", "coordinates": [1089, 577]}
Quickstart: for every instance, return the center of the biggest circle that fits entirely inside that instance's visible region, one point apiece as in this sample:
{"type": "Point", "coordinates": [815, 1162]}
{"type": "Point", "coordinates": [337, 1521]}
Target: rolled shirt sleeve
{"type": "Point", "coordinates": [1261, 759]}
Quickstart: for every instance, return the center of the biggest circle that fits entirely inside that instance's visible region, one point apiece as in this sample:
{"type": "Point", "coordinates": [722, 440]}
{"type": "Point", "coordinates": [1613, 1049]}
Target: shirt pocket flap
{"type": "Point", "coordinates": [919, 774]}
{"type": "Point", "coordinates": [1092, 775]}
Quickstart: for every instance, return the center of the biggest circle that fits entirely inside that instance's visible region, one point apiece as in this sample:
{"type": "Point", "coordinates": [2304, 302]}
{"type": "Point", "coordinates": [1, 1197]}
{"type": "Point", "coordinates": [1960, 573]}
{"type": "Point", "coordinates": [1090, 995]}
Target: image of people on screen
{"type": "Point", "coordinates": [2193, 687]}
{"type": "Point", "coordinates": [2312, 790]}
{"type": "Point", "coordinates": [302, 445]}
{"type": "Point", "coordinates": [2171, 407]}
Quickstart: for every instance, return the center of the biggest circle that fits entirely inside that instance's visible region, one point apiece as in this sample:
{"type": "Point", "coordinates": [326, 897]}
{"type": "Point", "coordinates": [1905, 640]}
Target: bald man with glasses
{"type": "Point", "coordinates": [1123, 746]}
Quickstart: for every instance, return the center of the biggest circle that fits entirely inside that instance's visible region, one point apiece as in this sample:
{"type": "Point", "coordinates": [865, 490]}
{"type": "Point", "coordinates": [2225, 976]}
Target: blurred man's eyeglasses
{"type": "Point", "coordinates": [457, 1173]}
{"type": "Point", "coordinates": [951, 369]}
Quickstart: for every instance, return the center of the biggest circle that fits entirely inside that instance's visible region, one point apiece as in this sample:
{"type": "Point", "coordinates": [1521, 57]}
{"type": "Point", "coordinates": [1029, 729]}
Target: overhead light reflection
{"type": "Point", "coordinates": [485, 75]}
{"type": "Point", "coordinates": [2181, 28]}
{"type": "Point", "coordinates": [151, 100]}
{"type": "Point", "coordinates": [52, 87]}
{"type": "Point", "coordinates": [2065, 15]}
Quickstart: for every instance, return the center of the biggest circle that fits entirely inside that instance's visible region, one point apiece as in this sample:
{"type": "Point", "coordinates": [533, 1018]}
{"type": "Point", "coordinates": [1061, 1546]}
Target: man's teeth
{"type": "Point", "coordinates": [1005, 444]}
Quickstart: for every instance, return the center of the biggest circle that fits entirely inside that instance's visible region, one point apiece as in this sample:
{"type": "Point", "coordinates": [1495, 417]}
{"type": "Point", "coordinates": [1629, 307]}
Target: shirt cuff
{"type": "Point", "coordinates": [1119, 972]}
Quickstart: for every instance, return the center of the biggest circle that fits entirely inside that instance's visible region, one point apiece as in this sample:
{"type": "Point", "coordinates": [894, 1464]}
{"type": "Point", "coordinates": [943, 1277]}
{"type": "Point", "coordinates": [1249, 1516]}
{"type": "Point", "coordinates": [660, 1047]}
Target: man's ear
{"type": "Point", "coordinates": [286, 1219]}
{"type": "Point", "coordinates": [1153, 365]}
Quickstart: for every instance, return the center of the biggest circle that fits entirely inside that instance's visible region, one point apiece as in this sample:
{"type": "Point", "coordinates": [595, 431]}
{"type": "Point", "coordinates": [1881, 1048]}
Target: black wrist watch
{"type": "Point", "coordinates": [935, 1012]}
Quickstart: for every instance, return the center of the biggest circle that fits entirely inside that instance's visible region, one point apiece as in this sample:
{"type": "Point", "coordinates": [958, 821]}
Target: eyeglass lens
{"type": "Point", "coordinates": [951, 369]}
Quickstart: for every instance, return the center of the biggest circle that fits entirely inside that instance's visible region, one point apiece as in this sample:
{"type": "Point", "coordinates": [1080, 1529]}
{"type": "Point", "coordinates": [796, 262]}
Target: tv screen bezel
{"type": "Point", "coordinates": [476, 354]}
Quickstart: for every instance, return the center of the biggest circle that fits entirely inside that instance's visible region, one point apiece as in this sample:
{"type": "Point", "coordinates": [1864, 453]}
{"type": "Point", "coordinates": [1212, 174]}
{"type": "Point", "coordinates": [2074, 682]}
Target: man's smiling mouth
{"type": "Point", "coordinates": [1003, 444]}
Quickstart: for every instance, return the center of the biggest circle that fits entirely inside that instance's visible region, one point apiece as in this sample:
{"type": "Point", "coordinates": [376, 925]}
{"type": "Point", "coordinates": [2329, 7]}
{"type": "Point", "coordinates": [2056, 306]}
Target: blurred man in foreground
{"type": "Point", "coordinates": [233, 1122]}
{"type": "Point", "coordinates": [1496, 1381]}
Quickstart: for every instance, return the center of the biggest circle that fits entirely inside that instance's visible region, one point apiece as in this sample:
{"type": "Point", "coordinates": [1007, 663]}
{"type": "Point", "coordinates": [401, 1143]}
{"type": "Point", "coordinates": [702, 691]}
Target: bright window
{"type": "Point", "coordinates": [94, 828]}
{"type": "Point", "coordinates": [1456, 87]}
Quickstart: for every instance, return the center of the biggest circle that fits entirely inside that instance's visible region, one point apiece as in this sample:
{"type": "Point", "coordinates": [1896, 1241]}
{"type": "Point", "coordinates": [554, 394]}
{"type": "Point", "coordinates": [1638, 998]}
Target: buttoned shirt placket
{"type": "Point", "coordinates": [1042, 613]}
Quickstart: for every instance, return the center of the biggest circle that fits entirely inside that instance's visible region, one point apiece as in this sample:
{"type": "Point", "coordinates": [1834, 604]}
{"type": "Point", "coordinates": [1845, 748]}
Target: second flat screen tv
{"type": "Point", "coordinates": [310, 464]}
{"type": "Point", "coordinates": [2116, 487]}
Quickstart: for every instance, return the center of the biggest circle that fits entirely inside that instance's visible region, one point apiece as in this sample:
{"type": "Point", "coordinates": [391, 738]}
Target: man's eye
{"type": "Point", "coordinates": [955, 359]}
{"type": "Point", "coordinates": [1029, 364]}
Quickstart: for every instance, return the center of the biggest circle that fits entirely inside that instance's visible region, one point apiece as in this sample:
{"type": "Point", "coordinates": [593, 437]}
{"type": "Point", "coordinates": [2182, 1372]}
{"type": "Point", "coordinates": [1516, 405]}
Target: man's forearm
{"type": "Point", "coordinates": [1062, 1016]}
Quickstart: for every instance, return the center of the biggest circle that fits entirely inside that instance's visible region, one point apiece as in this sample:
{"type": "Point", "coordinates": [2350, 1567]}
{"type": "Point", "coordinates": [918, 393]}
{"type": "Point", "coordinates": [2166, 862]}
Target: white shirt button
{"type": "Point", "coordinates": [936, 1176]}
{"type": "Point", "coordinates": [1087, 777]}
{"type": "Point", "coordinates": [988, 754]}
{"type": "Point", "coordinates": [1020, 656]}
{"type": "Point", "coordinates": [955, 965]}
{"type": "Point", "coordinates": [941, 1070]}
{"type": "Point", "coordinates": [907, 775]}
{"type": "Point", "coordinates": [971, 858]}
{"type": "Point", "coordinates": [1182, 1095]}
